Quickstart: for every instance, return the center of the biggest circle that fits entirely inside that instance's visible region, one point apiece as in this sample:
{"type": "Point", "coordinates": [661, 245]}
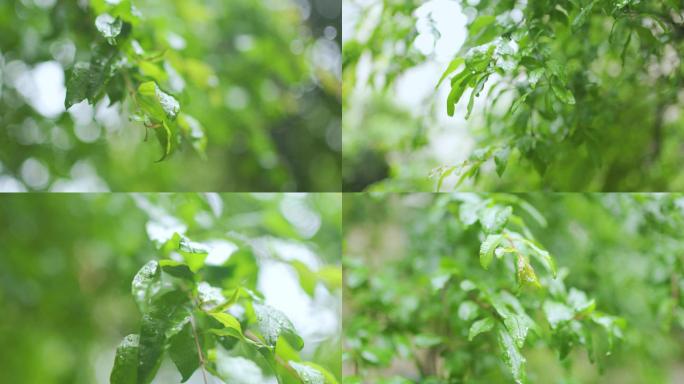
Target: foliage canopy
{"type": "Point", "coordinates": [569, 95]}
{"type": "Point", "coordinates": [240, 288]}
{"type": "Point", "coordinates": [527, 288]}
{"type": "Point", "coordinates": [240, 95]}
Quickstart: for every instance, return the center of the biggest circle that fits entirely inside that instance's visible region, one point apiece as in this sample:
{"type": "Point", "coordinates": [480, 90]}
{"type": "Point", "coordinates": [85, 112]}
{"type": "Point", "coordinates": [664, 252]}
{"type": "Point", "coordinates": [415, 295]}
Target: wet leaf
{"type": "Point", "coordinates": [183, 351]}
{"type": "Point", "coordinates": [480, 326]}
{"type": "Point", "coordinates": [512, 356]}
{"type": "Point", "coordinates": [487, 249]}
{"type": "Point", "coordinates": [146, 284]}
{"type": "Point", "coordinates": [109, 27]}
{"type": "Point", "coordinates": [273, 324]}
{"type": "Point", "coordinates": [125, 369]}
{"type": "Point", "coordinates": [155, 102]}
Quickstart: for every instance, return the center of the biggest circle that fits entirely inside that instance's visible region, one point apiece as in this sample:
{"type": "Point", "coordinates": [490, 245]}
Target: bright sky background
{"type": "Point", "coordinates": [415, 87]}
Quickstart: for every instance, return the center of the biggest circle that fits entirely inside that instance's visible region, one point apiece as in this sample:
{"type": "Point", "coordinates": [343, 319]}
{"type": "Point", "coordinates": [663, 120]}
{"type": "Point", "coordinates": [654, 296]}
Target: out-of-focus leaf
{"type": "Point", "coordinates": [487, 249]}
{"type": "Point", "coordinates": [480, 326]}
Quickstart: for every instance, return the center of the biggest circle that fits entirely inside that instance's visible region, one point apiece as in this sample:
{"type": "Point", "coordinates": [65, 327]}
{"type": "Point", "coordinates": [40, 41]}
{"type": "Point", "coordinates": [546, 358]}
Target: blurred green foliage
{"type": "Point", "coordinates": [253, 88]}
{"type": "Point", "coordinates": [559, 95]}
{"type": "Point", "coordinates": [459, 288]}
{"type": "Point", "coordinates": [68, 262]}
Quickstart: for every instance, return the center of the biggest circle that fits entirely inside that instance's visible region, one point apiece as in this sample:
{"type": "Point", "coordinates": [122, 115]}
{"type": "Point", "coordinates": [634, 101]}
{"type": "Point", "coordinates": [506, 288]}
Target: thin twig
{"type": "Point", "coordinates": [199, 349]}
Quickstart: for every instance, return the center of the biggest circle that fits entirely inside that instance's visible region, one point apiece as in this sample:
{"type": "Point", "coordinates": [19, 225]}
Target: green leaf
{"type": "Point", "coordinates": [194, 253]}
{"type": "Point", "coordinates": [272, 324]}
{"type": "Point", "coordinates": [109, 27]}
{"type": "Point", "coordinates": [152, 70]}
{"type": "Point", "coordinates": [579, 20]}
{"type": "Point", "coordinates": [163, 311]}
{"type": "Point", "coordinates": [501, 159]}
{"type": "Point", "coordinates": [125, 369]}
{"type": "Point", "coordinates": [458, 86]}
{"type": "Point", "coordinates": [183, 351]}
{"type": "Point", "coordinates": [232, 324]}
{"type": "Point", "coordinates": [77, 85]}
{"type": "Point", "coordinates": [210, 297]}
{"type": "Point", "coordinates": [543, 256]}
{"type": "Point", "coordinates": [309, 371]}
{"type": "Point", "coordinates": [194, 132]}
{"type": "Point", "coordinates": [512, 356]}
{"type": "Point", "coordinates": [88, 80]}
{"type": "Point", "coordinates": [177, 269]}
{"type": "Point", "coordinates": [146, 284]}
{"type": "Point", "coordinates": [455, 63]}
{"type": "Point", "coordinates": [493, 219]}
{"type": "Point", "coordinates": [562, 93]}
{"type": "Point", "coordinates": [237, 293]}
{"type": "Point", "coordinates": [468, 212]}
{"type": "Point", "coordinates": [307, 278]}
{"type": "Point", "coordinates": [156, 103]}
{"type": "Point", "coordinates": [487, 249]}
{"type": "Point", "coordinates": [580, 303]}
{"type": "Point", "coordinates": [557, 313]}
{"type": "Point", "coordinates": [518, 326]}
{"type": "Point", "coordinates": [480, 23]}
{"type": "Point", "coordinates": [475, 92]}
{"type": "Point", "coordinates": [525, 273]}
{"type": "Point", "coordinates": [480, 326]}
{"type": "Point", "coordinates": [307, 374]}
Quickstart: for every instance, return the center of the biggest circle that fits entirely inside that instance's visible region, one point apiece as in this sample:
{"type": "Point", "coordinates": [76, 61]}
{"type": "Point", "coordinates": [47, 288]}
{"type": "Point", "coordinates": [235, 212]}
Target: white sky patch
{"type": "Point", "coordinates": [445, 17]}
{"type": "Point", "coordinates": [219, 251]}
{"type": "Point", "coordinates": [43, 88]}
{"type": "Point", "coordinates": [313, 319]}
{"type": "Point", "coordinates": [83, 179]}
{"type": "Point", "coordinates": [10, 184]}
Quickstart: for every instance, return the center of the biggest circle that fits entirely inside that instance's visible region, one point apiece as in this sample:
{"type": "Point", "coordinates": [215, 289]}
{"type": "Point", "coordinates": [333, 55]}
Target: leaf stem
{"type": "Point", "coordinates": [278, 359]}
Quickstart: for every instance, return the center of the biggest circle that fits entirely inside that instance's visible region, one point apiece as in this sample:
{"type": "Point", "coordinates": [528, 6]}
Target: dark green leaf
{"type": "Point", "coordinates": [562, 93]}
{"type": "Point", "coordinates": [183, 351]}
{"type": "Point", "coordinates": [501, 159]}
{"type": "Point", "coordinates": [125, 369]}
{"type": "Point", "coordinates": [177, 269]}
{"type": "Point", "coordinates": [78, 84]}
{"type": "Point", "coordinates": [163, 310]}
